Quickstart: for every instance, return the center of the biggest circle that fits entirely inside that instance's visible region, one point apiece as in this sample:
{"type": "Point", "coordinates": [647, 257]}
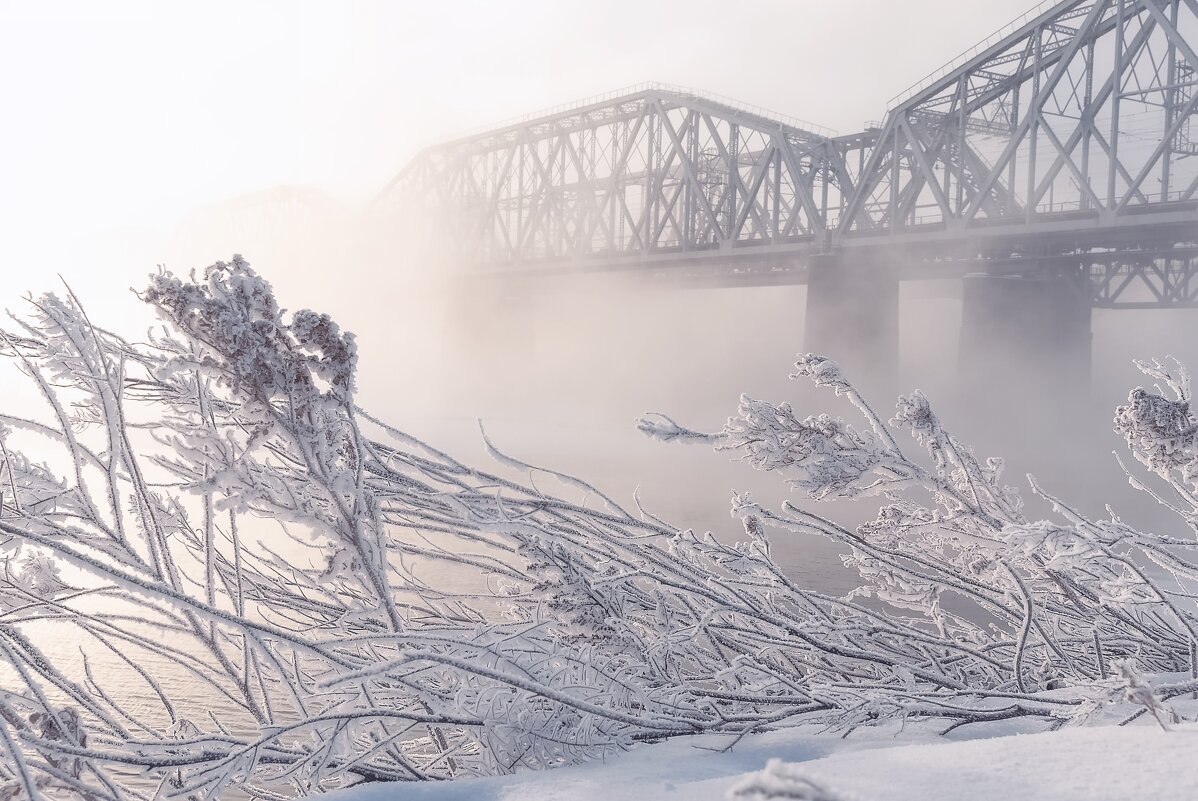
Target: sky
{"type": "Point", "coordinates": [124, 115]}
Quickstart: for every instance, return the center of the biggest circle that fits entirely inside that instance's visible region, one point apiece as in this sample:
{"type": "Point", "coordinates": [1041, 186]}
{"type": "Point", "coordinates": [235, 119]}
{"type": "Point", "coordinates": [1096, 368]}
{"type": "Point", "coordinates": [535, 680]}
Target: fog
{"type": "Point", "coordinates": [156, 137]}
{"type": "Point", "coordinates": [558, 369]}
{"type": "Point", "coordinates": [560, 375]}
{"type": "Point", "coordinates": [129, 115]}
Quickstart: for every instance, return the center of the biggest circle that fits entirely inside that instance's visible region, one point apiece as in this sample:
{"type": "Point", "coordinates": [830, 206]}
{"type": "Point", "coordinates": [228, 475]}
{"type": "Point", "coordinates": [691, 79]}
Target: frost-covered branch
{"type": "Point", "coordinates": [348, 603]}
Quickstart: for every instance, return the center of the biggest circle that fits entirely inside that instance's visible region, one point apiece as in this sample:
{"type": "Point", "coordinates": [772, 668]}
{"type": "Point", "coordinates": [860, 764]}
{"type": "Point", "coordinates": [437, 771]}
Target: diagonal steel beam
{"type": "Point", "coordinates": [1037, 104]}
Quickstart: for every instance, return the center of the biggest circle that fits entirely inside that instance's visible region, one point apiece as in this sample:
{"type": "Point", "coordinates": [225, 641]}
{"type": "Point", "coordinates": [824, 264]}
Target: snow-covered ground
{"type": "Point", "coordinates": [1109, 763]}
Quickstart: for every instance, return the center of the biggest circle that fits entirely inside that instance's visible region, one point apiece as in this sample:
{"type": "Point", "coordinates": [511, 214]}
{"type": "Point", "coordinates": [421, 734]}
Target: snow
{"type": "Point", "coordinates": [1109, 763]}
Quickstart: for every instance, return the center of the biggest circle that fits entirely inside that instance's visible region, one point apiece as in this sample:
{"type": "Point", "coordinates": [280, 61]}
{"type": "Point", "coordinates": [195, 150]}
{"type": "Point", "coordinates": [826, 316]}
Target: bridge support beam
{"type": "Point", "coordinates": [1023, 334]}
{"type": "Point", "coordinates": [853, 317]}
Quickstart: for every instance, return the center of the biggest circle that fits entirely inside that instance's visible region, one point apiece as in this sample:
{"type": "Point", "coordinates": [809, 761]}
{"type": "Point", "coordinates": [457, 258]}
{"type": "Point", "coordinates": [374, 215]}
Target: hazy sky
{"type": "Point", "coordinates": [125, 114]}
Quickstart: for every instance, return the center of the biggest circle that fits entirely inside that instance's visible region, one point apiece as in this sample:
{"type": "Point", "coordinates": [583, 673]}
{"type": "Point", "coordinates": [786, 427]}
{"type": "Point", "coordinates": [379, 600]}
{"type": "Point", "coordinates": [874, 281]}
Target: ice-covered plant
{"type": "Point", "coordinates": [309, 597]}
{"type": "Point", "coordinates": [979, 601]}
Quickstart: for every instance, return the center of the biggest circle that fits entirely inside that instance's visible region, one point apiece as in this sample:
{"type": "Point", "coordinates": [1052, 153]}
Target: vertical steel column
{"type": "Point", "coordinates": [1034, 129]}
{"type": "Point", "coordinates": [1117, 77]}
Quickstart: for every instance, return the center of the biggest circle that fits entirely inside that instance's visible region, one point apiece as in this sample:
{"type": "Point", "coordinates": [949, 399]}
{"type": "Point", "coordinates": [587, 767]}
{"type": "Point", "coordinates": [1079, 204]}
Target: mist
{"type": "Point", "coordinates": [557, 369]}
{"type": "Point", "coordinates": [559, 374]}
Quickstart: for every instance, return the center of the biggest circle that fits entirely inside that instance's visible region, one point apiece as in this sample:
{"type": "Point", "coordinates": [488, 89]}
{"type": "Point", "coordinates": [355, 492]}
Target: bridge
{"type": "Point", "coordinates": [1054, 167]}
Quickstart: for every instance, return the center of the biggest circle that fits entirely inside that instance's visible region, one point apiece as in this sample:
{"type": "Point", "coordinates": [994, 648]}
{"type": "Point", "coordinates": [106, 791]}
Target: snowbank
{"type": "Point", "coordinates": [1095, 764]}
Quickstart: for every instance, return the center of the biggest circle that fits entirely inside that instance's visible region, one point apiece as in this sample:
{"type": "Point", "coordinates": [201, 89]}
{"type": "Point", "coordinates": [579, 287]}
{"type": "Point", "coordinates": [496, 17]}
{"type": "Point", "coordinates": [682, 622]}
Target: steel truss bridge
{"type": "Point", "coordinates": [1068, 139]}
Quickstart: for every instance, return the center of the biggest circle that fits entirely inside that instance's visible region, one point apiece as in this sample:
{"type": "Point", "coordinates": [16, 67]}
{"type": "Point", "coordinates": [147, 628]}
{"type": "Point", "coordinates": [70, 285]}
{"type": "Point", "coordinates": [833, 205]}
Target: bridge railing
{"type": "Point", "coordinates": [757, 111]}
{"type": "Point", "coordinates": [972, 52]}
{"type": "Point", "coordinates": [650, 86]}
{"type": "Point", "coordinates": [1055, 207]}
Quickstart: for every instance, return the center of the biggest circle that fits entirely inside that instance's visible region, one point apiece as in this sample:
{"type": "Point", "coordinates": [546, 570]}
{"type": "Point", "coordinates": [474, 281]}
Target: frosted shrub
{"type": "Point", "coordinates": [219, 509]}
{"type": "Point", "coordinates": [1137, 690]}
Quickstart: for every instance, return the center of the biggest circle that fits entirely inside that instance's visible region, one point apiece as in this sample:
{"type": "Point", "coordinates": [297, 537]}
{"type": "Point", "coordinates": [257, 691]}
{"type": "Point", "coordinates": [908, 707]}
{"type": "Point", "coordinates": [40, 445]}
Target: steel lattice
{"type": "Point", "coordinates": [1070, 135]}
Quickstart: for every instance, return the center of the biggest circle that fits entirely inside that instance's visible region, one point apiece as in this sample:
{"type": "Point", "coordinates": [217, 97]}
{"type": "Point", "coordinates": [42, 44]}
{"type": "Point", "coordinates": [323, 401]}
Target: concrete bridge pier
{"type": "Point", "coordinates": [853, 318]}
{"type": "Point", "coordinates": [1025, 334]}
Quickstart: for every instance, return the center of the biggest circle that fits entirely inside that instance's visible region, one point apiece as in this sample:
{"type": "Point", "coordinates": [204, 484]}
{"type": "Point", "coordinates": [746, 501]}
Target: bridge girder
{"type": "Point", "coordinates": [1085, 107]}
{"type": "Point", "coordinates": [1068, 133]}
{"type": "Point", "coordinates": [653, 170]}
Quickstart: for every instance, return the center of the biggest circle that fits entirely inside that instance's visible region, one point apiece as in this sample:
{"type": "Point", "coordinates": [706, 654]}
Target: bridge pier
{"type": "Point", "coordinates": [1025, 333]}
{"type": "Point", "coordinates": [853, 317]}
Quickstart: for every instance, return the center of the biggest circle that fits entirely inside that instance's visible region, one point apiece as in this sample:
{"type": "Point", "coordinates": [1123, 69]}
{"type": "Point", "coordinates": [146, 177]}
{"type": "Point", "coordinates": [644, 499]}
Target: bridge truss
{"type": "Point", "coordinates": [1068, 138]}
